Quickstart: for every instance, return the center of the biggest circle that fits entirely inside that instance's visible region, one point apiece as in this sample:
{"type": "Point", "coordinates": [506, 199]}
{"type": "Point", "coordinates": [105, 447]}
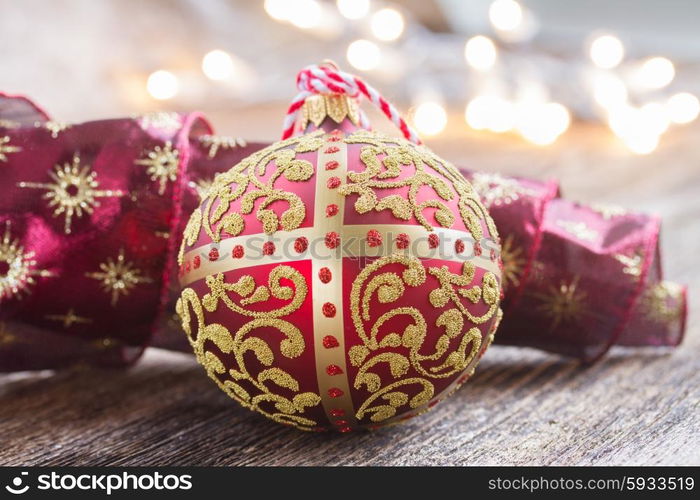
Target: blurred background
{"type": "Point", "coordinates": [524, 70]}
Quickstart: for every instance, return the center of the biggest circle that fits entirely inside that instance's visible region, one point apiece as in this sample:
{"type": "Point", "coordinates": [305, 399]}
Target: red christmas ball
{"type": "Point", "coordinates": [358, 301]}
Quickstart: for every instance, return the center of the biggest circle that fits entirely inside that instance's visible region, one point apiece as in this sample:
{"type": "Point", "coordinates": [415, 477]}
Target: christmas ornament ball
{"type": "Point", "coordinates": [340, 279]}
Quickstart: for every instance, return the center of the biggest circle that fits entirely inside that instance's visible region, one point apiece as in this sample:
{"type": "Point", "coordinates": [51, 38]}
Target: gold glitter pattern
{"type": "Point", "coordinates": [632, 264]}
{"type": "Point", "coordinates": [256, 391]}
{"type": "Point", "coordinates": [453, 351]}
{"type": "Point", "coordinates": [118, 277]}
{"type": "Point", "coordinates": [54, 127]}
{"type": "Point", "coordinates": [217, 142]}
{"type": "Point", "coordinates": [161, 165]}
{"type": "Point", "coordinates": [383, 173]}
{"type": "Point", "coordinates": [72, 192]}
{"type": "Point", "coordinates": [244, 182]}
{"type": "Point", "coordinates": [563, 304]}
{"type": "Point", "coordinates": [495, 189]}
{"type": "Point", "coordinates": [662, 302]}
{"type": "Point", "coordinates": [17, 267]}
{"type": "Point", "coordinates": [578, 229]}
{"type": "Point", "coordinates": [6, 148]}
{"type": "Point", "coordinates": [161, 120]}
{"type": "Point", "coordinates": [9, 124]}
{"type": "Point", "coordinates": [608, 211]}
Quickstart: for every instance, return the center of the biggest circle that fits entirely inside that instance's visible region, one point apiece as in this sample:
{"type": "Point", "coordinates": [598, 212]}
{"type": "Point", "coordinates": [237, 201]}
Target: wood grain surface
{"type": "Point", "coordinates": [522, 407]}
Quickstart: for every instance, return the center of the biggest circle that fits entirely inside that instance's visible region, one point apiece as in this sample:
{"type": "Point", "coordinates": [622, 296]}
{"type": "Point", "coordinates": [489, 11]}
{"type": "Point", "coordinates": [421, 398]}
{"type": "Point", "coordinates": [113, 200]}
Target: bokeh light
{"type": "Point", "coordinates": [162, 85]}
{"type": "Point", "coordinates": [353, 9]}
{"type": "Point", "coordinates": [387, 24]}
{"type": "Point", "coordinates": [217, 65]}
{"type": "Point", "coordinates": [480, 53]}
{"type": "Point", "coordinates": [683, 107]}
{"type": "Point", "coordinates": [506, 15]}
{"type": "Point", "coordinates": [607, 51]}
{"type": "Point", "coordinates": [430, 118]}
{"type": "Point", "coordinates": [364, 55]}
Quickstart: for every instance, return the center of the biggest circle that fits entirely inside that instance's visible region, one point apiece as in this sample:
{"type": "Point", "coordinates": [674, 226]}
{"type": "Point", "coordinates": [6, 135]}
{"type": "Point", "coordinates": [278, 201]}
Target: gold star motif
{"type": "Point", "coordinates": [118, 277]}
{"type": "Point", "coordinates": [162, 163]}
{"type": "Point", "coordinates": [6, 337]}
{"type": "Point", "coordinates": [563, 304]}
{"type": "Point", "coordinates": [54, 127]}
{"type": "Point", "coordinates": [495, 189]}
{"type": "Point", "coordinates": [662, 302]}
{"type": "Point", "coordinates": [608, 211]}
{"type": "Point", "coordinates": [69, 318]}
{"type": "Point", "coordinates": [202, 186]}
{"type": "Point", "coordinates": [216, 142]}
{"type": "Point", "coordinates": [17, 267]}
{"type": "Point", "coordinates": [73, 191]}
{"type": "Point", "coordinates": [162, 120]}
{"type": "Point", "coordinates": [513, 262]}
{"type": "Point", "coordinates": [578, 229]}
{"type": "Point", "coordinates": [6, 148]}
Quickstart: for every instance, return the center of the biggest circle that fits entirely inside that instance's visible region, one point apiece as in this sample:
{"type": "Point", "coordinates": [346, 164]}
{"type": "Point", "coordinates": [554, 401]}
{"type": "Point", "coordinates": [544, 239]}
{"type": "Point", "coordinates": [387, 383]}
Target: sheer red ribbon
{"type": "Point", "coordinates": [578, 279]}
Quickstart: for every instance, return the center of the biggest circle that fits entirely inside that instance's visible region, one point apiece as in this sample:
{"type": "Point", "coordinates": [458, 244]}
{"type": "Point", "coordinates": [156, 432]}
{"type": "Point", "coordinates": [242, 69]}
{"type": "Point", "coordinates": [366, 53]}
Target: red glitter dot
{"type": "Point", "coordinates": [325, 275]}
{"type": "Point", "coordinates": [329, 342]}
{"type": "Point", "coordinates": [342, 423]}
{"type": "Point", "coordinates": [182, 270]}
{"type": "Point", "coordinates": [433, 240]}
{"type": "Point", "coordinates": [344, 429]}
{"type": "Point", "coordinates": [374, 238]}
{"type": "Point", "coordinates": [332, 165]}
{"type": "Point", "coordinates": [328, 310]}
{"type": "Point", "coordinates": [333, 370]}
{"type": "Point", "coordinates": [331, 149]}
{"type": "Point", "coordinates": [333, 182]}
{"type": "Point", "coordinates": [196, 262]}
{"type": "Point", "coordinates": [331, 210]}
{"type": "Point", "coordinates": [402, 241]}
{"type": "Point", "coordinates": [301, 244]}
{"type": "Point", "coordinates": [477, 248]}
{"type": "Point", "coordinates": [268, 248]}
{"type": "Point", "coordinates": [337, 412]}
{"type": "Point", "coordinates": [237, 252]}
{"type": "Point", "coordinates": [187, 266]}
{"type": "Point", "coordinates": [333, 138]}
{"type": "Point", "coordinates": [214, 254]}
{"type": "Point", "coordinates": [459, 246]}
{"type": "Point", "coordinates": [335, 392]}
{"type": "Point", "coordinates": [332, 239]}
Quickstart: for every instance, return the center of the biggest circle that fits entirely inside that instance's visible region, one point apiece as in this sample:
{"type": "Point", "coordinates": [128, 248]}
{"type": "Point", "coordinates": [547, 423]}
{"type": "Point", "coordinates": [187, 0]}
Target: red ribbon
{"type": "Point", "coordinates": [579, 279]}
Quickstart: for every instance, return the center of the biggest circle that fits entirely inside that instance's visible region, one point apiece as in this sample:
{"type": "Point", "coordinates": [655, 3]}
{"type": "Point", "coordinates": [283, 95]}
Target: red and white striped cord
{"type": "Point", "coordinates": [325, 79]}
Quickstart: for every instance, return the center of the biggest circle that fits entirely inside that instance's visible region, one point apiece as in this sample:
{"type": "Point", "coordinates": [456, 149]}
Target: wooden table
{"type": "Point", "coordinates": [522, 407]}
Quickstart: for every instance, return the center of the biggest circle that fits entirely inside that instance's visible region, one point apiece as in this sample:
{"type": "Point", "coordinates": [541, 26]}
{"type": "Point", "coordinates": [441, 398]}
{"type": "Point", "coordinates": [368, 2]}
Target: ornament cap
{"type": "Point", "coordinates": [331, 109]}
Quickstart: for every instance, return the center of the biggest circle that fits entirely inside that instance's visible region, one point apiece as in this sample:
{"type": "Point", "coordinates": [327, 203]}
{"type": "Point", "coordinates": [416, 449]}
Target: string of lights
{"type": "Point", "coordinates": [501, 94]}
